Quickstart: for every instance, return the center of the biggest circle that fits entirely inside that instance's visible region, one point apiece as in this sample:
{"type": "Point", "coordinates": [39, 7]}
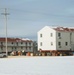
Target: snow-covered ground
{"type": "Point", "coordinates": [37, 66]}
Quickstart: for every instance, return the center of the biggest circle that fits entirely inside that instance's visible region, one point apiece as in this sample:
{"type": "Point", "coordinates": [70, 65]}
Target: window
{"type": "Point", "coordinates": [15, 47]}
{"type": "Point", "coordinates": [26, 48]}
{"type": "Point", "coordinates": [21, 47]}
{"type": "Point", "coordinates": [17, 43]}
{"type": "Point", "coordinates": [59, 43]}
{"type": "Point", "coordinates": [12, 48]}
{"type": "Point", "coordinates": [59, 34]}
{"type": "Point", "coordinates": [12, 42]}
{"type": "Point", "coordinates": [1, 48]}
{"type": "Point", "coordinates": [40, 35]}
{"type": "Point", "coordinates": [40, 43]}
{"type": "Point", "coordinates": [51, 34]}
{"type": "Point", "coordinates": [1, 43]}
{"type": "Point", "coordinates": [21, 42]}
{"type": "Point", "coordinates": [29, 48]}
{"type": "Point", "coordinates": [29, 43]}
{"type": "Point", "coordinates": [66, 43]}
{"type": "Point", "coordinates": [70, 34]}
{"type": "Point", "coordinates": [51, 43]}
{"type": "Point", "coordinates": [26, 43]}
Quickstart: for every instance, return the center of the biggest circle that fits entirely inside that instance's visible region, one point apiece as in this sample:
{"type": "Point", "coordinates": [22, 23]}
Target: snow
{"type": "Point", "coordinates": [25, 39]}
{"type": "Point", "coordinates": [37, 66]}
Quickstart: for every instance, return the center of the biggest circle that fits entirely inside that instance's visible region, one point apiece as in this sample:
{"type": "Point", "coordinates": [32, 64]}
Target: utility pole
{"type": "Point", "coordinates": [5, 15]}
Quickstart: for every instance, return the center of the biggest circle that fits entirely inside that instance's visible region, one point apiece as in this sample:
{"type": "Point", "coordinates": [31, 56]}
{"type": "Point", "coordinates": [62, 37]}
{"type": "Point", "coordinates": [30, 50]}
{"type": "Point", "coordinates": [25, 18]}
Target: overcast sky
{"type": "Point", "coordinates": [27, 17]}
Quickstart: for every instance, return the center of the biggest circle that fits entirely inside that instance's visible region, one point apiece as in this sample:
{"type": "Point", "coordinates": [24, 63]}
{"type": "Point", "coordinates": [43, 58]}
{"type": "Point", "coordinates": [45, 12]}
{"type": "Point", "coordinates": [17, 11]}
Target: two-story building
{"type": "Point", "coordinates": [16, 44]}
{"type": "Point", "coordinates": [56, 40]}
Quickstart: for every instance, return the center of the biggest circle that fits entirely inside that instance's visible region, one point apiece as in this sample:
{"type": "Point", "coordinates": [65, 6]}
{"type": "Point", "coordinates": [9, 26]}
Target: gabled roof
{"type": "Point", "coordinates": [46, 28]}
{"type": "Point", "coordinates": [68, 29]}
{"type": "Point", "coordinates": [62, 29]}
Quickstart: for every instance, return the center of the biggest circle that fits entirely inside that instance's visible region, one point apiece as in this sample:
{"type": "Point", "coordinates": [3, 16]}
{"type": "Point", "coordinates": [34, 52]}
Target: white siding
{"type": "Point", "coordinates": [66, 39]}
{"type": "Point", "coordinates": [46, 39]}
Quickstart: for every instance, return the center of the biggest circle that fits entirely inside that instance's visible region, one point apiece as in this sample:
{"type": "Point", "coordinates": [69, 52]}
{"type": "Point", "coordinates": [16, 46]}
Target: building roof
{"type": "Point", "coordinates": [68, 29]}
{"type": "Point", "coordinates": [15, 40]}
{"type": "Point", "coordinates": [61, 29]}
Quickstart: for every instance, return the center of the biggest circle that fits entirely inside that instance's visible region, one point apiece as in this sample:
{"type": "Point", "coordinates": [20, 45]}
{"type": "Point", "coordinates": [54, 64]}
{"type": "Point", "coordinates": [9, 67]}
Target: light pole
{"type": "Point", "coordinates": [5, 14]}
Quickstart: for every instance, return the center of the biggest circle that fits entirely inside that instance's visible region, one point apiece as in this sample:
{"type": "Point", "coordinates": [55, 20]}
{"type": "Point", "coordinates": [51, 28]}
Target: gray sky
{"type": "Point", "coordinates": [27, 17]}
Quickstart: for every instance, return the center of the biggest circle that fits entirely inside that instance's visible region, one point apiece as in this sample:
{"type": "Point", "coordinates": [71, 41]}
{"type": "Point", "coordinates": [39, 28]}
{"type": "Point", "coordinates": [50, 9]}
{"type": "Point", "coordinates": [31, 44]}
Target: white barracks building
{"type": "Point", "coordinates": [57, 40]}
{"type": "Point", "coordinates": [16, 44]}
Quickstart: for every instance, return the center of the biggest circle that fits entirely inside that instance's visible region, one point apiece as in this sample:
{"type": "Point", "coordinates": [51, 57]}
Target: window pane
{"type": "Point", "coordinates": [51, 34]}
{"type": "Point", "coordinates": [12, 42]}
{"type": "Point", "coordinates": [21, 42]}
{"type": "Point", "coordinates": [40, 43]}
{"type": "Point", "coordinates": [40, 35]}
{"type": "Point", "coordinates": [66, 43]}
{"type": "Point", "coordinates": [59, 34]}
{"type": "Point", "coordinates": [59, 43]}
{"type": "Point", "coordinates": [51, 43]}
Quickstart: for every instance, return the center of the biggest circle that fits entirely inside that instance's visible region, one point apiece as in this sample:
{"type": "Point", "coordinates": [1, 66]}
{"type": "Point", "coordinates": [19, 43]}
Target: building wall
{"type": "Point", "coordinates": [72, 40]}
{"type": "Point", "coordinates": [65, 37]}
{"type": "Point", "coordinates": [14, 46]}
{"type": "Point", "coordinates": [48, 39]}
{"type": "Point", "coordinates": [48, 42]}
